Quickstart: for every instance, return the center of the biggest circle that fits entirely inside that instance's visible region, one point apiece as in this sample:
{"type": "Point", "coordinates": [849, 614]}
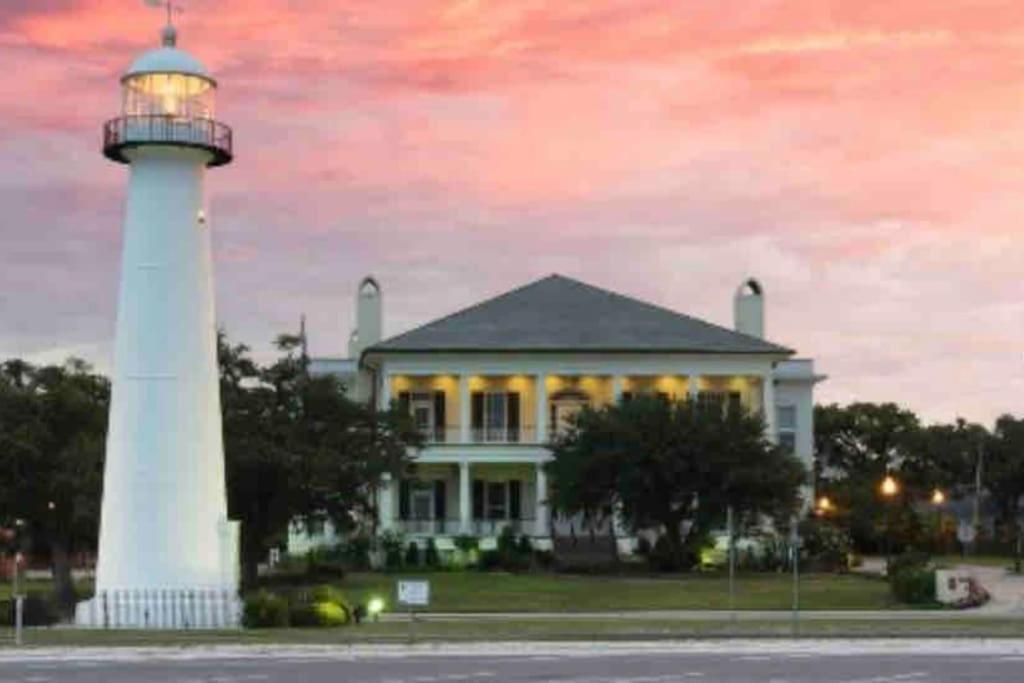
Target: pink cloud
{"type": "Point", "coordinates": [863, 157]}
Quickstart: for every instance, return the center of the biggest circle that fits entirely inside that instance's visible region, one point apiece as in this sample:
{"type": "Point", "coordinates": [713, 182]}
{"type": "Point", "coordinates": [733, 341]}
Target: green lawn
{"type": "Point", "coordinates": [499, 592]}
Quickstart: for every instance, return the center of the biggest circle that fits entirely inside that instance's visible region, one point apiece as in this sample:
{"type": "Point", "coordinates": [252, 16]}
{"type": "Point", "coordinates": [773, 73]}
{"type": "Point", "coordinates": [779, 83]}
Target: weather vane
{"type": "Point", "coordinates": [171, 7]}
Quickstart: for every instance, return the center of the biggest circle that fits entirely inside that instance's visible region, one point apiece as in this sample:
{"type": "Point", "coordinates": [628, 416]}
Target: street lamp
{"type": "Point", "coordinates": [889, 488]}
{"type": "Point", "coordinates": [938, 499]}
{"type": "Point", "coordinates": [824, 506]}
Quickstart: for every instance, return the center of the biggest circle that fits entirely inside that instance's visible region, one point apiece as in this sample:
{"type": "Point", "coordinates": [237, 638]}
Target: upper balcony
{"type": "Point", "coordinates": [531, 409]}
{"type": "Point", "coordinates": [128, 132]}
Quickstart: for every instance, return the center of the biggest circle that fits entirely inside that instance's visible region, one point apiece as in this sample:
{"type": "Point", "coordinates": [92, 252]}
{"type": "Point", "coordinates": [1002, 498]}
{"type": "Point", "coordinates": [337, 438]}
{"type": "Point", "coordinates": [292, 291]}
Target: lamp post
{"type": "Point", "coordinates": [889, 489]}
{"type": "Point", "coordinates": [19, 601]}
{"type": "Point", "coordinates": [938, 500]}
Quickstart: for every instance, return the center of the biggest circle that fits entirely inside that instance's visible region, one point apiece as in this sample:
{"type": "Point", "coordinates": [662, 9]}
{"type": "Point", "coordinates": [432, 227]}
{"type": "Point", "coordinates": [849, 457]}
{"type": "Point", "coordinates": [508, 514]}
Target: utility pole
{"type": "Point", "coordinates": [976, 517]}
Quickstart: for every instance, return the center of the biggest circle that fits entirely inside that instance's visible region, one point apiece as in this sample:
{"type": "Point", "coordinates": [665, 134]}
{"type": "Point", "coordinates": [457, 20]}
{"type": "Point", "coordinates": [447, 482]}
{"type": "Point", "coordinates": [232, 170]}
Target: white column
{"type": "Point", "coordinates": [617, 389]}
{"type": "Point", "coordinates": [768, 406]}
{"type": "Point", "coordinates": [385, 504]}
{"type": "Point", "coordinates": [464, 498]}
{"type": "Point", "coordinates": [693, 387]}
{"type": "Point", "coordinates": [465, 404]}
{"type": "Point", "coordinates": [541, 418]}
{"type": "Point", "coordinates": [541, 514]}
{"type": "Point", "coordinates": [385, 390]}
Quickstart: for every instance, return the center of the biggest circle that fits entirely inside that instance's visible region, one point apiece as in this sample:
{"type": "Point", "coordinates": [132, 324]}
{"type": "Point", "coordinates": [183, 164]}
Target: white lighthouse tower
{"type": "Point", "coordinates": [167, 552]}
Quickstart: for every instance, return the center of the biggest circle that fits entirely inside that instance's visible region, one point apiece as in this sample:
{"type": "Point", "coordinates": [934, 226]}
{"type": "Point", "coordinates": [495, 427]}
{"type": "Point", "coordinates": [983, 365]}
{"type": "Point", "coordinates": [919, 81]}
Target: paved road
{"type": "Point", "coordinates": [734, 662]}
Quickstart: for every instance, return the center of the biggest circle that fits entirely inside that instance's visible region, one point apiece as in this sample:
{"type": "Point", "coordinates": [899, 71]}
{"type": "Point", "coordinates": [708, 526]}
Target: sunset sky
{"type": "Point", "coordinates": [864, 159]}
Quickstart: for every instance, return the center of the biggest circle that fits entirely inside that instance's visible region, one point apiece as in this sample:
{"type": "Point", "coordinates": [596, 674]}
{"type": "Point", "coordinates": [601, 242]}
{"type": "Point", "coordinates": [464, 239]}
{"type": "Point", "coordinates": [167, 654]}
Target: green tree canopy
{"type": "Point", "coordinates": [53, 422]}
{"type": "Point", "coordinates": [298, 450]}
{"type": "Point", "coordinates": [660, 464]}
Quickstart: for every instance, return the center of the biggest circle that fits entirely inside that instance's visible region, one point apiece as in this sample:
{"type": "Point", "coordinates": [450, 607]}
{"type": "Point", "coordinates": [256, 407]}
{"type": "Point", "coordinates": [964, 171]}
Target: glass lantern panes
{"type": "Point", "coordinates": [168, 94]}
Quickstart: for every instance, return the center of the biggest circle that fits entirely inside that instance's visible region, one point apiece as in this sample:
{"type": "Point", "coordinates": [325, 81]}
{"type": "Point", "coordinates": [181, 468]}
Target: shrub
{"type": "Point", "coordinates": [826, 547]}
{"type": "Point", "coordinates": [37, 610]}
{"type": "Point", "coordinates": [306, 607]}
{"type": "Point", "coordinates": [391, 542]}
{"type": "Point", "coordinates": [330, 615]}
{"type": "Point", "coordinates": [914, 586]}
{"type": "Point", "coordinates": [524, 546]}
{"type": "Point", "coordinates": [507, 541]}
{"type": "Point", "coordinates": [325, 564]}
{"type": "Point", "coordinates": [662, 559]}
{"type": "Point", "coordinates": [431, 557]}
{"type": "Point", "coordinates": [356, 552]}
{"type": "Point", "coordinates": [466, 543]}
{"type": "Point", "coordinates": [412, 555]}
{"type": "Point", "coordinates": [908, 560]}
{"type": "Point", "coordinates": [265, 610]}
{"type": "Point", "coordinates": [489, 560]}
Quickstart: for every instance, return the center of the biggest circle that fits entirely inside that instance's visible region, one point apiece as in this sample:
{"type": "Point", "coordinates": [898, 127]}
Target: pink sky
{"type": "Point", "coordinates": [864, 159]}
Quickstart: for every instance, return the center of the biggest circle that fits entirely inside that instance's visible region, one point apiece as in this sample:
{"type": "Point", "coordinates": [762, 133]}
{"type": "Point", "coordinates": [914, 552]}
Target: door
{"type": "Point", "coordinates": [423, 414]}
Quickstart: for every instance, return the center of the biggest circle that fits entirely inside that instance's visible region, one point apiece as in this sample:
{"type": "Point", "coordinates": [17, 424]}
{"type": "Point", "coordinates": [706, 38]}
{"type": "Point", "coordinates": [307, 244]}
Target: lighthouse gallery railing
{"type": "Point", "coordinates": [133, 131]}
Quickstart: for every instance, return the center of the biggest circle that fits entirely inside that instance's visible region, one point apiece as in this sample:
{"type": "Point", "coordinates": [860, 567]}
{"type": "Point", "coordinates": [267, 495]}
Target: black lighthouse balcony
{"type": "Point", "coordinates": [131, 131]}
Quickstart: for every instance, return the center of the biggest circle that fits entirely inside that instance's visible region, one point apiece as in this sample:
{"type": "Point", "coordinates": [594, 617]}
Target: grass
{"type": "Point", "coordinates": [523, 628]}
{"type": "Point", "coordinates": [501, 592]}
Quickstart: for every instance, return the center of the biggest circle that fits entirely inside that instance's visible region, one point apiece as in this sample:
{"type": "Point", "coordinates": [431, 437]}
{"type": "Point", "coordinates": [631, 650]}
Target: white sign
{"type": "Point", "coordinates": [965, 533]}
{"type": "Point", "coordinates": [414, 593]}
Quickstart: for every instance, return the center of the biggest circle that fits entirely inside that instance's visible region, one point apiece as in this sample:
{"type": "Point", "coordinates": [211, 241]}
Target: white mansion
{"type": "Point", "coordinates": [488, 385]}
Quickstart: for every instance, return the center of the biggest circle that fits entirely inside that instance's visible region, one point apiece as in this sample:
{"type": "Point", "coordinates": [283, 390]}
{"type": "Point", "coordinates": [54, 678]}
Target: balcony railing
{"type": "Point", "coordinates": [477, 527]}
{"type": "Point", "coordinates": [494, 527]}
{"type": "Point", "coordinates": [429, 526]}
{"type": "Point", "coordinates": [126, 132]}
{"type": "Point", "coordinates": [452, 434]}
{"type": "Point", "coordinates": [503, 435]}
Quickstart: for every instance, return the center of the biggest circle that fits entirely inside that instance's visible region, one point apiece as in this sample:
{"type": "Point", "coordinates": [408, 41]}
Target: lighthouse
{"type": "Point", "coordinates": [168, 555]}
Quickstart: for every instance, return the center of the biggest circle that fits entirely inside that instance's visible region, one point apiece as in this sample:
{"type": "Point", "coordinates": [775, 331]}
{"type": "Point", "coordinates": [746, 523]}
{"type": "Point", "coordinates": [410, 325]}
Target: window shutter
{"type": "Point", "coordinates": [514, 493]}
{"type": "Point", "coordinates": [478, 499]}
{"type": "Point", "coordinates": [404, 402]}
{"type": "Point", "coordinates": [440, 420]}
{"type": "Point", "coordinates": [403, 499]}
{"type": "Point", "coordinates": [477, 413]}
{"type": "Point", "coordinates": [439, 500]}
{"type": "Point", "coordinates": [513, 416]}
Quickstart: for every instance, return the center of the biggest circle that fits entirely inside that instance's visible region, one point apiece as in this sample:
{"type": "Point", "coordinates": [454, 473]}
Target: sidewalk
{"type": "Point", "coordinates": [708, 615]}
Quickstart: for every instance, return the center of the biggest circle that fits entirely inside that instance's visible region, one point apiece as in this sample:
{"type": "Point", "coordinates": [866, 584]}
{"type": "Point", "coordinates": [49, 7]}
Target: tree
{"type": "Point", "coordinates": [1004, 475]}
{"type": "Point", "coordinates": [661, 464]}
{"type": "Point", "coordinates": [53, 423]}
{"type": "Point", "coordinates": [298, 450]}
{"type": "Point", "coordinates": [856, 446]}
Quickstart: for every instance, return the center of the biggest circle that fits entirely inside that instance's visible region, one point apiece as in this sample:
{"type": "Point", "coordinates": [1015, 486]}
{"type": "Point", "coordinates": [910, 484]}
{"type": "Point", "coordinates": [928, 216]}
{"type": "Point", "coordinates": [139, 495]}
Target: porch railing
{"type": "Point", "coordinates": [477, 527]}
{"type": "Point", "coordinates": [452, 434]}
{"type": "Point", "coordinates": [503, 435]}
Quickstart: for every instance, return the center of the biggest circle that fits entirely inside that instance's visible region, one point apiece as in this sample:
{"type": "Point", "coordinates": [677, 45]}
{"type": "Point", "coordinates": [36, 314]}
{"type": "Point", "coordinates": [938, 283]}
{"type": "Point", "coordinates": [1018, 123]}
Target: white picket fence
{"type": "Point", "coordinates": [160, 609]}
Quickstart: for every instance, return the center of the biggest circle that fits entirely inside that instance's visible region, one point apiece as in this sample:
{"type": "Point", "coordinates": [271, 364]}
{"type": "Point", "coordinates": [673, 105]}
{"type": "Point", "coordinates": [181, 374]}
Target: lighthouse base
{"type": "Point", "coordinates": [160, 609]}
{"type": "Point", "coordinates": [153, 606]}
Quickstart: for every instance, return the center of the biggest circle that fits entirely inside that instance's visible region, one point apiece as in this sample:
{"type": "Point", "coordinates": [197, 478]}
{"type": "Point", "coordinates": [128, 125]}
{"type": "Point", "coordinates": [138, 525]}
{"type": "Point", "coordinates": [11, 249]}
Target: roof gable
{"type": "Point", "coordinates": [560, 314]}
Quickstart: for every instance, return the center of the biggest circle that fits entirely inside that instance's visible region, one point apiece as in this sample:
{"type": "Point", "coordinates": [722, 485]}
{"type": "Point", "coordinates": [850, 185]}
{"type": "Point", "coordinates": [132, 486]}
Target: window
{"type": "Point", "coordinates": [495, 416]}
{"type": "Point", "coordinates": [785, 422]}
{"type": "Point", "coordinates": [719, 400]}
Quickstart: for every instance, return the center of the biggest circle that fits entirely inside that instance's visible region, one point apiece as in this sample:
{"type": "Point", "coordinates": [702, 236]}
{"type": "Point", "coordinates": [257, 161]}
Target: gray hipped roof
{"type": "Point", "coordinates": [558, 313]}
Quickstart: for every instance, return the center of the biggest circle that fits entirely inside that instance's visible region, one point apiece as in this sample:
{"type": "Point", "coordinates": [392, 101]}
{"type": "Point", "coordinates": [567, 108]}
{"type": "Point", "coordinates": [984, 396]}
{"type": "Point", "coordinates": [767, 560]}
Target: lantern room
{"type": "Point", "coordinates": [167, 99]}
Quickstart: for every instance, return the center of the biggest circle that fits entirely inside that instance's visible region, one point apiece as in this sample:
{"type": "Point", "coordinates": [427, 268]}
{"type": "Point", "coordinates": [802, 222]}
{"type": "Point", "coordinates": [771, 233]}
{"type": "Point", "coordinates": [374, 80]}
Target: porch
{"type": "Point", "coordinates": [467, 498]}
{"type": "Point", "coordinates": [476, 409]}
